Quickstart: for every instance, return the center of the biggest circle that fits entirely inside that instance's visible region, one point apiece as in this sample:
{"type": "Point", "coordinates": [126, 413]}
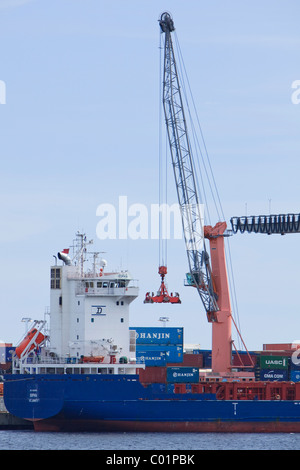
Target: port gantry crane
{"type": "Point", "coordinates": [209, 277]}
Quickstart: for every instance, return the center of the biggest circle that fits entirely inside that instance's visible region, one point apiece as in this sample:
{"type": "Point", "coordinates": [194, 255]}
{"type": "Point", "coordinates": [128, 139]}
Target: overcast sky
{"type": "Point", "coordinates": [79, 128]}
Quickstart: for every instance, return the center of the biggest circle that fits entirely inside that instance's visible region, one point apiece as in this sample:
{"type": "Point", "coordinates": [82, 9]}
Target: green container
{"type": "Point", "coordinates": [273, 362]}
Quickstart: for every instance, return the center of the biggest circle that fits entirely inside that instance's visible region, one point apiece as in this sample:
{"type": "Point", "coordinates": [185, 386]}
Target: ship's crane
{"type": "Point", "coordinates": [209, 277]}
{"type": "Point", "coordinates": [208, 274]}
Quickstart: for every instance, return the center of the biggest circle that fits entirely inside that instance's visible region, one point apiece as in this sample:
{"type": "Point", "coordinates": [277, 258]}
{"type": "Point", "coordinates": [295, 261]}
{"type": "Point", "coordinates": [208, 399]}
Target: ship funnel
{"type": "Point", "coordinates": [63, 255]}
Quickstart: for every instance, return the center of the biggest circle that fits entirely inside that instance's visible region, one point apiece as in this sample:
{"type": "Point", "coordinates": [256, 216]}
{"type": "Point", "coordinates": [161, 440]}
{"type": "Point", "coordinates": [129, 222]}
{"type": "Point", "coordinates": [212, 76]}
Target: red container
{"type": "Point", "coordinates": [153, 375]}
{"type": "Point", "coordinates": [190, 360]}
{"type": "Point", "coordinates": [286, 353]}
{"type": "Point", "coordinates": [281, 347]}
{"type": "Point", "coordinates": [246, 361]}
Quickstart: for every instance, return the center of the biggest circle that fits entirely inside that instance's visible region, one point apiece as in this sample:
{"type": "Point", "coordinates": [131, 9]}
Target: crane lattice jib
{"type": "Point", "coordinates": [182, 162]}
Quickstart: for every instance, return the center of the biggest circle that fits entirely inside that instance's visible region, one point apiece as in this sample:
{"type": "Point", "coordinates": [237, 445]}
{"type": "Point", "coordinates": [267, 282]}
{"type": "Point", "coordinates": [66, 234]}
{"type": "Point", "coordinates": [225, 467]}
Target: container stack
{"type": "Point", "coordinates": [291, 353]}
{"type": "Point", "coordinates": [180, 379]}
{"type": "Point", "coordinates": [274, 368]}
{"type": "Point", "coordinates": [244, 358]}
{"type": "Point", "coordinates": [295, 366]}
{"type": "Point", "coordinates": [168, 362]}
{"type": "Point", "coordinates": [6, 350]}
{"type": "Point", "coordinates": [158, 346]}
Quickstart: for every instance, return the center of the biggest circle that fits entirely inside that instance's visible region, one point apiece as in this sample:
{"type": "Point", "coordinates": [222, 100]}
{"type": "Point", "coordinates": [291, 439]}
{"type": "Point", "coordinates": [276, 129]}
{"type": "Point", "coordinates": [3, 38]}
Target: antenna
{"type": "Point", "coordinates": [80, 245]}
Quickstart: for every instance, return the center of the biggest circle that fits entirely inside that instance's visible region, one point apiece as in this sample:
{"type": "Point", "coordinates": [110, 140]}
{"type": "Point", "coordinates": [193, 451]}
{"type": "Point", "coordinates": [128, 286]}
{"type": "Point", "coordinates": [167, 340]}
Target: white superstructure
{"type": "Point", "coordinates": [89, 317]}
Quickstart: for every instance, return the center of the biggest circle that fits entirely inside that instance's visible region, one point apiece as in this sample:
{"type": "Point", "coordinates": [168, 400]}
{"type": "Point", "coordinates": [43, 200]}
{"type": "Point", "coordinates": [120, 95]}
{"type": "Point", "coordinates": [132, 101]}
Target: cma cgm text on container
{"type": "Point", "coordinates": [274, 375]}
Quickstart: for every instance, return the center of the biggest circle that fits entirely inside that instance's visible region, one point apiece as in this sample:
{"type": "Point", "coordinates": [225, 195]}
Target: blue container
{"type": "Point", "coordinates": [158, 335]}
{"type": "Point", "coordinates": [274, 375]}
{"type": "Point", "coordinates": [182, 375]}
{"type": "Point", "coordinates": [206, 358]}
{"type": "Point", "coordinates": [172, 353]}
{"type": "Point", "coordinates": [295, 360]}
{"type": "Point", "coordinates": [295, 375]}
{"type": "Point", "coordinates": [158, 388]}
{"type": "Point", "coordinates": [151, 358]}
{"type": "Point", "coordinates": [6, 354]}
{"type": "Point", "coordinates": [3, 359]}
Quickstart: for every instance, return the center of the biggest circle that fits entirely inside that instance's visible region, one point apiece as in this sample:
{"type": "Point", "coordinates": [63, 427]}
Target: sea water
{"type": "Point", "coordinates": [31, 440]}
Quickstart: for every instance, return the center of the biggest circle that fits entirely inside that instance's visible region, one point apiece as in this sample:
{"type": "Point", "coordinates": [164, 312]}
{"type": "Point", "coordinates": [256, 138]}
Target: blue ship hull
{"type": "Point", "coordinates": [122, 403]}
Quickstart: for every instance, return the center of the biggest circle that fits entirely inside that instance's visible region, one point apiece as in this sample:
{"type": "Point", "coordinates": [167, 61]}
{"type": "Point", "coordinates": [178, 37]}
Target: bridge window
{"type": "Point", "coordinates": [55, 278]}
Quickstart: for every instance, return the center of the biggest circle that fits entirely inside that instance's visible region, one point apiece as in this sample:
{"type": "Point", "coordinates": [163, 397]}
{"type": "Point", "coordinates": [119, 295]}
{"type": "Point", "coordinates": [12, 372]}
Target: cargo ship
{"type": "Point", "coordinates": [86, 369]}
{"type": "Point", "coordinates": [90, 371]}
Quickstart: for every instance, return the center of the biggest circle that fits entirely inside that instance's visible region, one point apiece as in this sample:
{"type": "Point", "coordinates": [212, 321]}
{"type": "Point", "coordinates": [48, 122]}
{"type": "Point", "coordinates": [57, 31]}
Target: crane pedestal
{"type": "Point", "coordinates": [221, 319]}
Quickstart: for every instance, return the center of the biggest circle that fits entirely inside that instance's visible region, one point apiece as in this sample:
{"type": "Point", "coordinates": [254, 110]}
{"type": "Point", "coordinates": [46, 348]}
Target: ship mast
{"type": "Point", "coordinates": [80, 249]}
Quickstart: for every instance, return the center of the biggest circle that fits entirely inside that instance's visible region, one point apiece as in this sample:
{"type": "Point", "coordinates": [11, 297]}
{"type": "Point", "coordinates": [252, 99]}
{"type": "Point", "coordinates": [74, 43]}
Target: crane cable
{"type": "Point", "coordinates": [208, 171]}
{"type": "Point", "coordinates": [163, 172]}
